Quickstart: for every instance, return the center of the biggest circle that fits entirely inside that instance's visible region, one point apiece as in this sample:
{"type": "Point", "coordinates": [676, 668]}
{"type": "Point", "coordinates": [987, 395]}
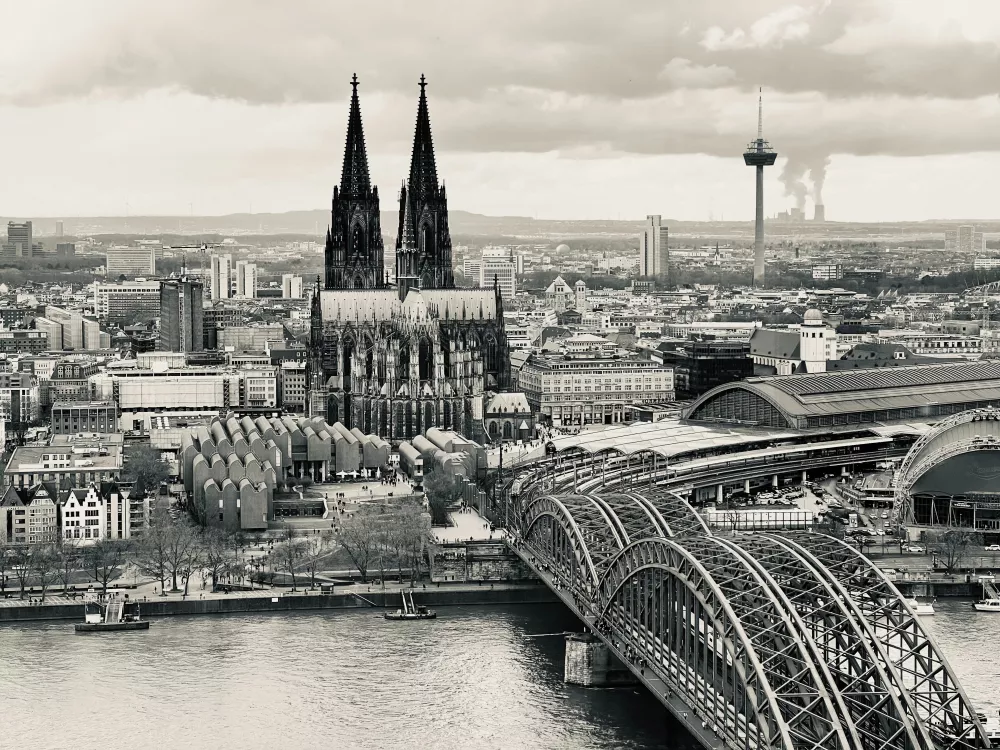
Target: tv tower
{"type": "Point", "coordinates": [759, 154]}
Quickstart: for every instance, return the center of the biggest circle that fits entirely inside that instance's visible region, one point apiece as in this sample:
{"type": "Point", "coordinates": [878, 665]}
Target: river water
{"type": "Point", "coordinates": [475, 678]}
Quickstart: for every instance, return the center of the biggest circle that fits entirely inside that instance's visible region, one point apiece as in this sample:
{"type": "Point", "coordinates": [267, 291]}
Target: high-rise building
{"type": "Point", "coordinates": [246, 279]}
{"type": "Point", "coordinates": [130, 261]}
{"type": "Point", "coordinates": [181, 316]}
{"type": "Point", "coordinates": [19, 242]}
{"type": "Point", "coordinates": [68, 329]}
{"type": "Point", "coordinates": [654, 253]}
{"type": "Point", "coordinates": [59, 229]}
{"type": "Point", "coordinates": [221, 279]}
{"type": "Point", "coordinates": [128, 302]}
{"type": "Point", "coordinates": [964, 239]}
{"type": "Point", "coordinates": [291, 286]}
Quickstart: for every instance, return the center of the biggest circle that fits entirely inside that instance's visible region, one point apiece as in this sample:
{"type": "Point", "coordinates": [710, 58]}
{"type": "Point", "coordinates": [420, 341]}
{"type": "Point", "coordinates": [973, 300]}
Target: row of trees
{"type": "Point", "coordinates": [382, 538]}
{"type": "Point", "coordinates": [46, 564]}
{"type": "Point", "coordinates": [385, 539]}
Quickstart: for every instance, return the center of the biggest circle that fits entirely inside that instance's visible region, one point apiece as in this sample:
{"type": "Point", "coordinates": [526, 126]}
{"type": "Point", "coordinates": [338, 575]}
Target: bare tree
{"type": "Point", "coordinates": [68, 554]}
{"type": "Point", "coordinates": [193, 561]}
{"type": "Point", "coordinates": [104, 559]}
{"type": "Point", "coordinates": [952, 546]}
{"type": "Point", "coordinates": [215, 553]}
{"type": "Point", "coordinates": [45, 565]}
{"type": "Point", "coordinates": [181, 543]}
{"type": "Point", "coordinates": [358, 535]}
{"type": "Point", "coordinates": [22, 566]}
{"type": "Point", "coordinates": [290, 550]}
{"type": "Point", "coordinates": [318, 547]}
{"type": "Point", "coordinates": [151, 553]}
{"type": "Point", "coordinates": [6, 560]}
{"type": "Point", "coordinates": [414, 530]}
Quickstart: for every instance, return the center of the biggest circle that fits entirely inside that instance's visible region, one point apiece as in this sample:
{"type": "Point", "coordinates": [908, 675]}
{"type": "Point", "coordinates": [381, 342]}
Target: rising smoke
{"type": "Point", "coordinates": [793, 177]}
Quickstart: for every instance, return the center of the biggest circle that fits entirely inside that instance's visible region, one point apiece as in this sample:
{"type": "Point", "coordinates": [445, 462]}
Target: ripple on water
{"type": "Point", "coordinates": [348, 680]}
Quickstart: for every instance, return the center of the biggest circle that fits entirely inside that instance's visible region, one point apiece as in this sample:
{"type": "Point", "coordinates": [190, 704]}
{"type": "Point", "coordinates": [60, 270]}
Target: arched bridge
{"type": "Point", "coordinates": [765, 641]}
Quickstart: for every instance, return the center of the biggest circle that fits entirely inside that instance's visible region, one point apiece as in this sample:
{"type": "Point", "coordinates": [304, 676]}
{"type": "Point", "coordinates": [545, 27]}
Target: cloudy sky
{"type": "Point", "coordinates": [546, 108]}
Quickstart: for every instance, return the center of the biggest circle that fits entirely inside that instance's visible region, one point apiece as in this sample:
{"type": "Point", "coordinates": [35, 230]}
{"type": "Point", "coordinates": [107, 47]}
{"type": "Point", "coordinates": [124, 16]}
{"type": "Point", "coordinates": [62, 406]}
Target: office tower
{"type": "Point", "coordinates": [59, 229]}
{"type": "Point", "coordinates": [181, 316]}
{"type": "Point", "coordinates": [19, 242]}
{"type": "Point", "coordinates": [291, 286]}
{"type": "Point", "coordinates": [130, 261]}
{"type": "Point", "coordinates": [221, 278]}
{"type": "Point", "coordinates": [127, 302]}
{"type": "Point", "coordinates": [964, 239]}
{"type": "Point", "coordinates": [246, 279]}
{"type": "Point", "coordinates": [654, 253]}
{"type": "Point", "coordinates": [759, 154]}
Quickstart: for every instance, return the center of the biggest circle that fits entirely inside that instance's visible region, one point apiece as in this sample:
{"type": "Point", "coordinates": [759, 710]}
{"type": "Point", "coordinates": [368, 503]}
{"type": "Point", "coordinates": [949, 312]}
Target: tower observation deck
{"type": "Point", "coordinates": [759, 154]}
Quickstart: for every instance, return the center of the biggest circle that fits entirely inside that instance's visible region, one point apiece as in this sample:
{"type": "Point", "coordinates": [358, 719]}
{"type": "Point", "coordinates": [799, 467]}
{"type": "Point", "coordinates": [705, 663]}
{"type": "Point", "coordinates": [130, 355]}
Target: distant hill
{"type": "Point", "coordinates": [313, 224]}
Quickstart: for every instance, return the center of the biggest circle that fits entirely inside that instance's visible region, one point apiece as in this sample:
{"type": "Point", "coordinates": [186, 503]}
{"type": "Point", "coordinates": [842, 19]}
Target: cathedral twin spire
{"type": "Point", "coordinates": [354, 179]}
{"type": "Point", "coordinates": [354, 248]}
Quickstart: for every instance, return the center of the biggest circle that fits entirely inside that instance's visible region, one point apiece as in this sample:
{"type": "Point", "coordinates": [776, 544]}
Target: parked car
{"type": "Point", "coordinates": [993, 547]}
{"type": "Point", "coordinates": [915, 548]}
{"type": "Point", "coordinates": [885, 514]}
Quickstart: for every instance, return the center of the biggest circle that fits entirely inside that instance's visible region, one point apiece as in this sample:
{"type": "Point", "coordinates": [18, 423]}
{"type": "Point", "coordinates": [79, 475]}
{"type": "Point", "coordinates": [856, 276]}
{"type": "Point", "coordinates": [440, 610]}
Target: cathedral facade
{"type": "Point", "coordinates": [395, 359]}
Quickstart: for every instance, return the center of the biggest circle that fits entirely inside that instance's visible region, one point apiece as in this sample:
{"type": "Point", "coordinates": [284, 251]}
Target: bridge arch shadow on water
{"type": "Point", "coordinates": [769, 640]}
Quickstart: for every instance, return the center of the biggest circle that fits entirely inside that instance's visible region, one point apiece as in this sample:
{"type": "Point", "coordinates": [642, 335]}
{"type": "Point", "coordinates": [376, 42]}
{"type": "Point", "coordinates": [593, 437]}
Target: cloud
{"type": "Point", "coordinates": [560, 77]}
{"type": "Point", "coordinates": [682, 73]}
{"type": "Point", "coordinates": [784, 25]}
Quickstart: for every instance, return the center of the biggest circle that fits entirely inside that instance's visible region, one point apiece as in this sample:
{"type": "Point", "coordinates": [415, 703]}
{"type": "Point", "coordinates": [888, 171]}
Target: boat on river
{"type": "Point", "coordinates": [921, 608]}
{"type": "Point", "coordinates": [410, 611]}
{"type": "Point", "coordinates": [991, 597]}
{"type": "Point", "coordinates": [108, 614]}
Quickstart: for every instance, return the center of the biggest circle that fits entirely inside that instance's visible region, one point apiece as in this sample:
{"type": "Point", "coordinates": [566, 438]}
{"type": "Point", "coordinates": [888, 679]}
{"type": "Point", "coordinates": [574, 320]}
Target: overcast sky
{"type": "Point", "coordinates": [546, 108]}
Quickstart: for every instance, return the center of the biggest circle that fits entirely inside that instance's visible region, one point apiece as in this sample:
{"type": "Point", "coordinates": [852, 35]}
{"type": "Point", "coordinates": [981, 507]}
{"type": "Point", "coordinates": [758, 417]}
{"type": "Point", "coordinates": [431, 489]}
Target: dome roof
{"type": "Point", "coordinates": [813, 316]}
{"type": "Point", "coordinates": [562, 248]}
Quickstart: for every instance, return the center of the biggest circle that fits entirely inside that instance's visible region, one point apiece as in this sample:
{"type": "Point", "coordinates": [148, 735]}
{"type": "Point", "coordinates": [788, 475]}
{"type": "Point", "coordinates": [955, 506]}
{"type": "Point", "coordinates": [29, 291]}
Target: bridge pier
{"type": "Point", "coordinates": [589, 662]}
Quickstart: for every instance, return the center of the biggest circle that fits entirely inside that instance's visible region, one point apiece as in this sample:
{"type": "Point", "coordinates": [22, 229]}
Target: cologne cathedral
{"type": "Point", "coordinates": [396, 358]}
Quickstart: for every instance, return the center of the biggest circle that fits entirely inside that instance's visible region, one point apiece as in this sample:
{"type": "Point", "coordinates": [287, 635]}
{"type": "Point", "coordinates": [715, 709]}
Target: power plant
{"type": "Point", "coordinates": [759, 154]}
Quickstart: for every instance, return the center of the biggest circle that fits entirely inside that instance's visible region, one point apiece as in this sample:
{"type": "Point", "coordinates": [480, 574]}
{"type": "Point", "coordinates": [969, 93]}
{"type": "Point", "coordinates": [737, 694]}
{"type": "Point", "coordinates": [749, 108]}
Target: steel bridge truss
{"type": "Point", "coordinates": [793, 642]}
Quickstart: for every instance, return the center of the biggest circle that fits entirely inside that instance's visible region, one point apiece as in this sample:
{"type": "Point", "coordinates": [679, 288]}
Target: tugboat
{"type": "Point", "coordinates": [410, 611]}
{"type": "Point", "coordinates": [114, 613]}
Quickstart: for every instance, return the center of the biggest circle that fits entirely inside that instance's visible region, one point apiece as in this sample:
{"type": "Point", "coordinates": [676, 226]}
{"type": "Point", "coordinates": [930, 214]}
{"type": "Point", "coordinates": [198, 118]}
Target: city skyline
{"type": "Point", "coordinates": [552, 114]}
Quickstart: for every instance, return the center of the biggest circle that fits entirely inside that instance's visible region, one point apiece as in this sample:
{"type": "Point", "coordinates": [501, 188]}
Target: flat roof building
{"type": "Point", "coordinates": [130, 261]}
{"type": "Point", "coordinates": [70, 418]}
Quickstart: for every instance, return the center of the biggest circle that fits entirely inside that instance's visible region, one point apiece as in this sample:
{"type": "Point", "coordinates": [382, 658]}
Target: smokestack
{"type": "Point", "coordinates": [820, 213]}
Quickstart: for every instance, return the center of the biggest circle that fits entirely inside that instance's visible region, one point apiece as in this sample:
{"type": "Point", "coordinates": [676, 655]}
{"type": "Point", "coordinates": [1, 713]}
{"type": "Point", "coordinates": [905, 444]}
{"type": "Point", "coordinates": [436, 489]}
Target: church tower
{"type": "Point", "coordinates": [423, 243]}
{"type": "Point", "coordinates": [354, 249]}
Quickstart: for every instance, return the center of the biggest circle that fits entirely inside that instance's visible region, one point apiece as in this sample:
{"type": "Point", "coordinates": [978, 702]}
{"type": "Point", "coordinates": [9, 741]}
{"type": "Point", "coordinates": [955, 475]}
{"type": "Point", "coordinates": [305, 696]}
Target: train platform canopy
{"type": "Point", "coordinates": [668, 437]}
{"type": "Point", "coordinates": [857, 397]}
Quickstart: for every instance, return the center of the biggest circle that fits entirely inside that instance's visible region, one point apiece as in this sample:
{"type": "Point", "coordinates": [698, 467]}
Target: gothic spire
{"type": "Point", "coordinates": [423, 170]}
{"type": "Point", "coordinates": [354, 179]}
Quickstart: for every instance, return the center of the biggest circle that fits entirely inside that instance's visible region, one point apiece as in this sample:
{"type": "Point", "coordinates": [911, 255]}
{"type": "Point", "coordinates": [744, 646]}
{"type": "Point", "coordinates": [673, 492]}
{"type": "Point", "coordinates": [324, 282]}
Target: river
{"type": "Point", "coordinates": [475, 678]}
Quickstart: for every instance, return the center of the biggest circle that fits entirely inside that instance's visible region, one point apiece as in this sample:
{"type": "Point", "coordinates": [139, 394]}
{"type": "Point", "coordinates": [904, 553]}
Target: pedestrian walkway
{"type": "Point", "coordinates": [37, 599]}
{"type": "Point", "coordinates": [466, 525]}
